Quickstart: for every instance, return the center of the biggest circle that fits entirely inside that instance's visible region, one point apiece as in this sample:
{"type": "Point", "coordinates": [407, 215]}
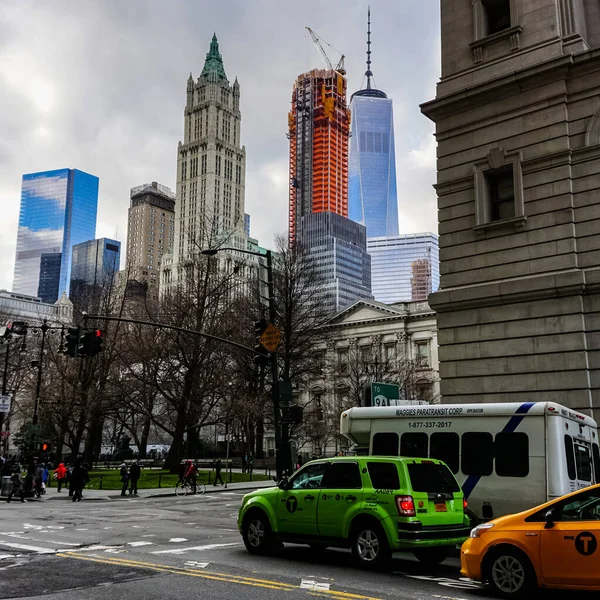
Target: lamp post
{"type": "Point", "coordinates": [282, 455]}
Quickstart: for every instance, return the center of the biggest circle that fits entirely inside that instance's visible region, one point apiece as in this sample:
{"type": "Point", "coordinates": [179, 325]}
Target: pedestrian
{"type": "Point", "coordinates": [182, 470]}
{"type": "Point", "coordinates": [17, 486]}
{"type": "Point", "coordinates": [218, 467]}
{"type": "Point", "coordinates": [68, 477]}
{"type": "Point", "coordinates": [245, 463]}
{"type": "Point", "coordinates": [250, 462]}
{"type": "Point", "coordinates": [39, 479]}
{"type": "Point", "coordinates": [124, 478]}
{"type": "Point", "coordinates": [78, 477]}
{"type": "Point", "coordinates": [60, 473]}
{"type": "Point", "coordinates": [134, 475]}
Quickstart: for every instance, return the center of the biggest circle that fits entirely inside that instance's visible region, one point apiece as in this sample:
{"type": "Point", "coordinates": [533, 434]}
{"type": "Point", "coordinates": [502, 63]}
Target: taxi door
{"type": "Point", "coordinates": [569, 552]}
{"type": "Point", "coordinates": [297, 505]}
{"type": "Point", "coordinates": [341, 494]}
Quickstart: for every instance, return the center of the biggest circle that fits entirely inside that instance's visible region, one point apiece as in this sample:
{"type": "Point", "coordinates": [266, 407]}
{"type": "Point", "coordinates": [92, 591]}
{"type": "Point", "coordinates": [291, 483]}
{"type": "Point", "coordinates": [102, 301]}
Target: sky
{"type": "Point", "coordinates": [101, 86]}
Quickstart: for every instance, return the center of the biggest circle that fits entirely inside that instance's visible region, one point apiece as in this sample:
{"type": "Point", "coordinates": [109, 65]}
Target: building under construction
{"type": "Point", "coordinates": [319, 129]}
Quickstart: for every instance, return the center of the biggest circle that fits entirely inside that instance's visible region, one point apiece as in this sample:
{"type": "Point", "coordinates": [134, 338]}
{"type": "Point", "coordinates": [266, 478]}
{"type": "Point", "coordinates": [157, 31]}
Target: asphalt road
{"type": "Point", "coordinates": [163, 548]}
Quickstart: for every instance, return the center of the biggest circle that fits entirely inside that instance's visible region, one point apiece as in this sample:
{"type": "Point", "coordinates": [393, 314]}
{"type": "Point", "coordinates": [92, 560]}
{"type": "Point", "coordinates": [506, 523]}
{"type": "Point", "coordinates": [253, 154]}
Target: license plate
{"type": "Point", "coordinates": [440, 507]}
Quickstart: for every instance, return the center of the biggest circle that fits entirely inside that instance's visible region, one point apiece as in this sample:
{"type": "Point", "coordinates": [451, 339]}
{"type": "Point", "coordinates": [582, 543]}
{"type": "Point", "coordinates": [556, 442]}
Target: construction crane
{"type": "Point", "coordinates": [339, 68]}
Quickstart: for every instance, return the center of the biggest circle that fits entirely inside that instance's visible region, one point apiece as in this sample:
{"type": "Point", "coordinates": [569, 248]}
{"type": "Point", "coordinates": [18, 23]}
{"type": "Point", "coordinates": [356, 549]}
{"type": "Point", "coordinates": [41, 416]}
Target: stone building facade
{"type": "Point", "coordinates": [367, 342]}
{"type": "Point", "coordinates": [517, 115]}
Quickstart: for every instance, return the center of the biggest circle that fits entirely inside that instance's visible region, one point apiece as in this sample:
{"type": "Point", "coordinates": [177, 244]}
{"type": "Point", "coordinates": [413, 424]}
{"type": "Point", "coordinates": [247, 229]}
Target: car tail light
{"type": "Point", "coordinates": [465, 504]}
{"type": "Point", "coordinates": [405, 506]}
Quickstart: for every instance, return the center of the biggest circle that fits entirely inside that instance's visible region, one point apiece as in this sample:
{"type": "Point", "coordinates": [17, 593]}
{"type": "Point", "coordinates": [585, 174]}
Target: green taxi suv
{"type": "Point", "coordinates": [374, 505]}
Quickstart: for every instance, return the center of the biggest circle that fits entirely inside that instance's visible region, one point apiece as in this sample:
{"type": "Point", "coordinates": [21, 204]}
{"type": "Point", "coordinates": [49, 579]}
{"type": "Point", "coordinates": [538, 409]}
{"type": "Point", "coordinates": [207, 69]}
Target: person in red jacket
{"type": "Point", "coordinates": [60, 473]}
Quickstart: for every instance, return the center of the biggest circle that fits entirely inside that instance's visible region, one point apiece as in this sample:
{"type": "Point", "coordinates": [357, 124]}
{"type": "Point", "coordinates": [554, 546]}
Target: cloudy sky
{"type": "Point", "coordinates": [100, 86]}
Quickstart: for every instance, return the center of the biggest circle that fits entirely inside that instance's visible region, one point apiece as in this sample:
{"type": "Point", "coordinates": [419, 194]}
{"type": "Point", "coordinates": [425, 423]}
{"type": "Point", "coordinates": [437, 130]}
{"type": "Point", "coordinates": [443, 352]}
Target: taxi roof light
{"type": "Point", "coordinates": [405, 506]}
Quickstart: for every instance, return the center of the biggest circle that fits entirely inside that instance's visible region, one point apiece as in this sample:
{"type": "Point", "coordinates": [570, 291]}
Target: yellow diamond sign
{"type": "Point", "coordinates": [270, 338]}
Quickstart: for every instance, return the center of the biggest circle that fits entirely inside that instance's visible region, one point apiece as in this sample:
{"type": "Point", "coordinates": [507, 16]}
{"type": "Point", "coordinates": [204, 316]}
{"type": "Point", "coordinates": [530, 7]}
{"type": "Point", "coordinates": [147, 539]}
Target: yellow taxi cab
{"type": "Point", "coordinates": [554, 545]}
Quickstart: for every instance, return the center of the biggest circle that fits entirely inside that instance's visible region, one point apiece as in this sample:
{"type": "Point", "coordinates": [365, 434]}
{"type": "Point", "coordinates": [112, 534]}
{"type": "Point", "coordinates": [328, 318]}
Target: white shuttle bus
{"type": "Point", "coordinates": [507, 457]}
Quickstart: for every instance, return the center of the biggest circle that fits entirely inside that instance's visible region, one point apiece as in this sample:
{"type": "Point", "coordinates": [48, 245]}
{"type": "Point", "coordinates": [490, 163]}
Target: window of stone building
{"type": "Point", "coordinates": [501, 193]}
{"type": "Point", "coordinates": [496, 14]}
{"type": "Point", "coordinates": [343, 361]}
{"type": "Point", "coordinates": [422, 354]}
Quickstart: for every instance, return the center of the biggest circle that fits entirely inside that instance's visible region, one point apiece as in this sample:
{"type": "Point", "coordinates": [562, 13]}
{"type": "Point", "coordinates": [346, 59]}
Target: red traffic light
{"type": "Point", "coordinates": [98, 333]}
{"type": "Point", "coordinates": [45, 447]}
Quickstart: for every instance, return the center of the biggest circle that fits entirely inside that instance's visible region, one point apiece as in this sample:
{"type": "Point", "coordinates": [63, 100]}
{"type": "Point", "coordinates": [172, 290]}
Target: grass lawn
{"type": "Point", "coordinates": [150, 478]}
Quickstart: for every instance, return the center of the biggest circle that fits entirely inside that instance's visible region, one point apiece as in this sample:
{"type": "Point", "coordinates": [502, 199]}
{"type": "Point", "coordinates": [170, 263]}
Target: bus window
{"type": "Point", "coordinates": [583, 461]}
{"type": "Point", "coordinates": [512, 454]}
{"type": "Point", "coordinates": [596, 453]}
{"type": "Point", "coordinates": [414, 445]}
{"type": "Point", "coordinates": [385, 444]}
{"type": "Point", "coordinates": [570, 452]}
{"type": "Point", "coordinates": [477, 453]}
{"type": "Point", "coordinates": [444, 446]}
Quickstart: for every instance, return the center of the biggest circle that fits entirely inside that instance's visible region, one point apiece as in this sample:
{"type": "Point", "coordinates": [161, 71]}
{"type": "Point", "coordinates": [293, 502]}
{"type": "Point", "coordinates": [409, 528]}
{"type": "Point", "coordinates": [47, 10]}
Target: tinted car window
{"type": "Point", "coordinates": [432, 477]}
{"type": "Point", "coordinates": [309, 477]}
{"type": "Point", "coordinates": [384, 476]}
{"type": "Point", "coordinates": [414, 445]}
{"type": "Point", "coordinates": [583, 462]}
{"type": "Point", "coordinates": [570, 453]}
{"type": "Point", "coordinates": [512, 454]}
{"type": "Point", "coordinates": [477, 453]}
{"type": "Point", "coordinates": [583, 507]}
{"type": "Point", "coordinates": [385, 444]}
{"type": "Point", "coordinates": [596, 452]}
{"type": "Point", "coordinates": [444, 446]}
{"type": "Point", "coordinates": [342, 475]}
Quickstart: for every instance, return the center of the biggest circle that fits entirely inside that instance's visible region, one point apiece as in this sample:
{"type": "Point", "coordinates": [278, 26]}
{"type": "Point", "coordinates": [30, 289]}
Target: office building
{"type": "Point", "coordinates": [94, 264]}
{"type": "Point", "coordinates": [319, 128]}
{"type": "Point", "coordinates": [31, 309]}
{"type": "Point", "coordinates": [150, 234]}
{"type": "Point", "coordinates": [404, 268]}
{"type": "Point", "coordinates": [372, 195]}
{"type": "Point", "coordinates": [337, 247]}
{"type": "Point", "coordinates": [58, 211]}
{"type": "Point", "coordinates": [517, 117]}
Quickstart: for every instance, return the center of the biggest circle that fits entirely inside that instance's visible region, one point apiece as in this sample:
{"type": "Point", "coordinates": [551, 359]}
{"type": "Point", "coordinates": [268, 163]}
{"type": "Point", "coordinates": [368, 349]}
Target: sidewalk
{"type": "Point", "coordinates": [165, 492]}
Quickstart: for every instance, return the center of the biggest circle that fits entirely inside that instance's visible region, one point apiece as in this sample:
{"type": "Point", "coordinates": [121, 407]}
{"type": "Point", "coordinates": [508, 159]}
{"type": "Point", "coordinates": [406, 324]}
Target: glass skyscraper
{"type": "Point", "coordinates": [337, 247]}
{"type": "Point", "coordinates": [404, 268]}
{"type": "Point", "coordinates": [58, 210]}
{"type": "Point", "coordinates": [94, 263]}
{"type": "Point", "coordinates": [372, 194]}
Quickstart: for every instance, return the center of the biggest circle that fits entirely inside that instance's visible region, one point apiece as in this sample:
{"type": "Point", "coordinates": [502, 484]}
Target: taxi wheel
{"type": "Point", "coordinates": [431, 556]}
{"type": "Point", "coordinates": [257, 534]}
{"type": "Point", "coordinates": [509, 572]}
{"type": "Point", "coordinates": [370, 547]}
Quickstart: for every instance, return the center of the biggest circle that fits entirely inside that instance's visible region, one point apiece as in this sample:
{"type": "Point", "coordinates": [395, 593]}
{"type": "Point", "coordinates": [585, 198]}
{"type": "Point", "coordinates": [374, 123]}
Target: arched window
{"type": "Point", "coordinates": [592, 136]}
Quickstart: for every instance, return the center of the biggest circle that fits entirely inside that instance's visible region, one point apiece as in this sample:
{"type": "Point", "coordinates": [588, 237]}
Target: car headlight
{"type": "Point", "coordinates": [477, 531]}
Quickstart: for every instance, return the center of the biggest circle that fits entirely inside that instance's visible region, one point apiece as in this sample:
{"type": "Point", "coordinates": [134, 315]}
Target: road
{"type": "Point", "coordinates": [189, 547]}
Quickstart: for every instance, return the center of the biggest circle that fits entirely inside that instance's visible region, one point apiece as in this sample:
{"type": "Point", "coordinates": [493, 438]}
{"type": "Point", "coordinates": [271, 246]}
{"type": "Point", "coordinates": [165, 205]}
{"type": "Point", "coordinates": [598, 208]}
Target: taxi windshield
{"type": "Point", "coordinates": [432, 478]}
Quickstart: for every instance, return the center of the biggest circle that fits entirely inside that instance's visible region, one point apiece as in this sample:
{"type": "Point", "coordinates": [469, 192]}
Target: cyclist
{"type": "Point", "coordinates": [191, 474]}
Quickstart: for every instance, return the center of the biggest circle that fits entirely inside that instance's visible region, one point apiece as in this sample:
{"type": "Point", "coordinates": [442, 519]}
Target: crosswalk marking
{"type": "Point", "coordinates": [135, 544]}
{"type": "Point", "coordinates": [198, 548]}
{"type": "Point", "coordinates": [37, 549]}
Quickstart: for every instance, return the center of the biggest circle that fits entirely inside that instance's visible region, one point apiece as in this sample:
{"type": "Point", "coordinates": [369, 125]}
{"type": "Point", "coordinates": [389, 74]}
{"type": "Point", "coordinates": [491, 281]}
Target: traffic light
{"type": "Point", "coordinates": [91, 342]}
{"type": "Point", "coordinates": [45, 447]}
{"type": "Point", "coordinates": [73, 341]}
{"type": "Point", "coordinates": [293, 414]}
{"type": "Point", "coordinates": [261, 358]}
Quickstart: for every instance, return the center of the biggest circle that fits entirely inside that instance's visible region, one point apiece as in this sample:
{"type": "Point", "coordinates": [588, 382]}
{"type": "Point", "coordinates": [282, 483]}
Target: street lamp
{"type": "Point", "coordinates": [282, 454]}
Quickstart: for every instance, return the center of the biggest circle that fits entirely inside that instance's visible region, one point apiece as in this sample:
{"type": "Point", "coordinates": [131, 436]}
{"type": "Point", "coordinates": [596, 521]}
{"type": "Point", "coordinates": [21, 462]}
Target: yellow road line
{"type": "Point", "coordinates": [215, 576]}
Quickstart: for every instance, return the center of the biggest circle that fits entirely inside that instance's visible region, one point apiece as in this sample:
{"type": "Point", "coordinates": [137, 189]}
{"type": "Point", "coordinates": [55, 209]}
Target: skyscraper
{"type": "Point", "coordinates": [150, 233]}
{"type": "Point", "coordinates": [404, 267]}
{"type": "Point", "coordinates": [372, 195]}
{"type": "Point", "coordinates": [94, 264]}
{"type": "Point", "coordinates": [58, 210]}
{"type": "Point", "coordinates": [211, 164]}
{"type": "Point", "coordinates": [319, 128]}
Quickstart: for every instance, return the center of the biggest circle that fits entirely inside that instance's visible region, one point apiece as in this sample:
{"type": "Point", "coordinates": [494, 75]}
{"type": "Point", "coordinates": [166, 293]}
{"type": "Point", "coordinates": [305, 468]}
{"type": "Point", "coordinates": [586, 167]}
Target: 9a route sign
{"type": "Point", "coordinates": [384, 394]}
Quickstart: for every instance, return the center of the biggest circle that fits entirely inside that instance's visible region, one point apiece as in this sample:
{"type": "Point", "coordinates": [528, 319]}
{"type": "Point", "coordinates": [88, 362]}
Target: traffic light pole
{"type": "Point", "coordinates": [3, 443]}
{"type": "Point", "coordinates": [38, 387]}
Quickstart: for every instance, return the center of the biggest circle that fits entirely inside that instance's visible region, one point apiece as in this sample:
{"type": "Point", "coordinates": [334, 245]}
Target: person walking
{"type": "Point", "coordinates": [39, 480]}
{"type": "Point", "coordinates": [124, 478]}
{"type": "Point", "coordinates": [78, 477]}
{"type": "Point", "coordinates": [245, 463]}
{"type": "Point", "coordinates": [17, 486]}
{"type": "Point", "coordinates": [134, 475]}
{"type": "Point", "coordinates": [218, 467]}
{"type": "Point", "coordinates": [250, 462]}
{"type": "Point", "coordinates": [61, 474]}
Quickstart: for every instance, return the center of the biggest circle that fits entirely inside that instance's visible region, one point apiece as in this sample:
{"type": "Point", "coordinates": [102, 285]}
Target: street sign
{"type": "Point", "coordinates": [4, 404]}
{"type": "Point", "coordinates": [384, 394]}
{"type": "Point", "coordinates": [270, 338]}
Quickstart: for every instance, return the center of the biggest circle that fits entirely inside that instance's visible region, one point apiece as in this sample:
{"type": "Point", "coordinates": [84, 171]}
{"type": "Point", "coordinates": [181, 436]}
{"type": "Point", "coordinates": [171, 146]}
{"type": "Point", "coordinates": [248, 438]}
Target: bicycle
{"type": "Point", "coordinates": [187, 487]}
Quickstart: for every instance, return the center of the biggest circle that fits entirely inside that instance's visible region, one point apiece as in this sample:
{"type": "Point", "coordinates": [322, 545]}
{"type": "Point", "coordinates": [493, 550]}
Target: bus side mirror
{"type": "Point", "coordinates": [549, 518]}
